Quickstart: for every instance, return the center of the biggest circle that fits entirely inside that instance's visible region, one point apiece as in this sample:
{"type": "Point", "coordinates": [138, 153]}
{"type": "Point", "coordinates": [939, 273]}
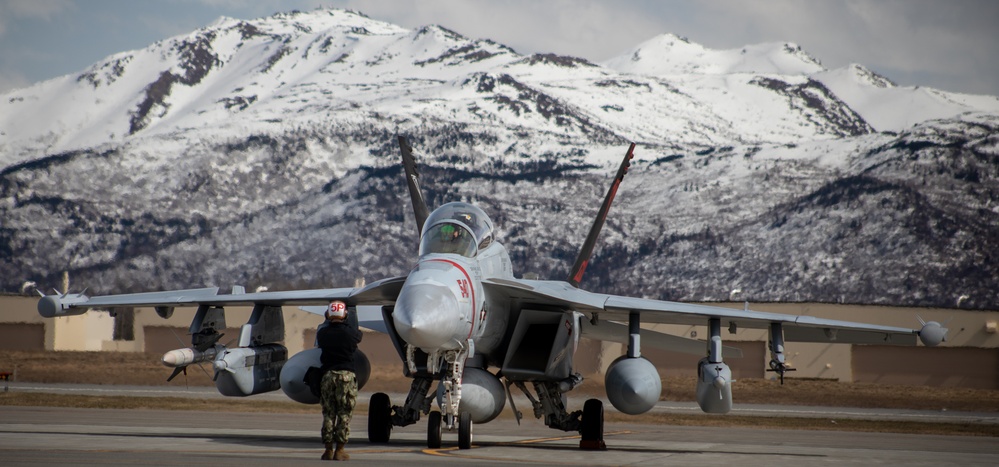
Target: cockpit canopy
{"type": "Point", "coordinates": [456, 228]}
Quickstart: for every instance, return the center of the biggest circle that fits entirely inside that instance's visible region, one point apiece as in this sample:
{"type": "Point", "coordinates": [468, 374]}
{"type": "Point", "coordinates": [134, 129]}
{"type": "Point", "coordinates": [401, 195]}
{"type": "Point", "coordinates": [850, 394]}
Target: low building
{"type": "Point", "coordinates": [969, 357]}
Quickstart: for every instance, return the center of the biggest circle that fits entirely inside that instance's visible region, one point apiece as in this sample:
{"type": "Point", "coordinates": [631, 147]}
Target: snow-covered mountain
{"type": "Point", "coordinates": [263, 152]}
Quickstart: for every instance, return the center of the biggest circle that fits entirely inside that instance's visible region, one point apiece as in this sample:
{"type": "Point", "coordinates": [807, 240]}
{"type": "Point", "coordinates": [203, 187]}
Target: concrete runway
{"type": "Point", "coordinates": [54, 436]}
{"type": "Point", "coordinates": [51, 436]}
{"type": "Point", "coordinates": [575, 402]}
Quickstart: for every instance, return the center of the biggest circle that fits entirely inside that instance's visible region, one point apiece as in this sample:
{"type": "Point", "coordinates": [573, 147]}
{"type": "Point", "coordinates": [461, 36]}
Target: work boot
{"type": "Point", "coordinates": [328, 453]}
{"type": "Point", "coordinates": [340, 454]}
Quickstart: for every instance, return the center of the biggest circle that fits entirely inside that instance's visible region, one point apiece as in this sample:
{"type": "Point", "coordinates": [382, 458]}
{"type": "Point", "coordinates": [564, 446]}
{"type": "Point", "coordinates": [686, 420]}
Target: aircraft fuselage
{"type": "Point", "coordinates": [442, 305]}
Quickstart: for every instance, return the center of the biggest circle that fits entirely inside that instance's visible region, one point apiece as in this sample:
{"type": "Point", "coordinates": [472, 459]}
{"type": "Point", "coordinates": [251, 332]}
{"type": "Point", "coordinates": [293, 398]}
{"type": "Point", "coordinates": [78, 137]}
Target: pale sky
{"type": "Point", "coordinates": [951, 45]}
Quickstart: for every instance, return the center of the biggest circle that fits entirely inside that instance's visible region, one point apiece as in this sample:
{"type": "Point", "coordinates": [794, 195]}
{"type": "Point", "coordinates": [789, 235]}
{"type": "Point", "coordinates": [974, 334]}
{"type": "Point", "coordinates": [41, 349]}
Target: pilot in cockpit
{"type": "Point", "coordinates": [449, 238]}
{"type": "Point", "coordinates": [452, 239]}
{"type": "Point", "coordinates": [455, 228]}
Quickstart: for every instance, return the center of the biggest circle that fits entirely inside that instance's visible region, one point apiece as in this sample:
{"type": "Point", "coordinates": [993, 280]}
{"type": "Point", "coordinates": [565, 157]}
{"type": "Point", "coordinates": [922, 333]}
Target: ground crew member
{"type": "Point", "coordinates": [338, 341]}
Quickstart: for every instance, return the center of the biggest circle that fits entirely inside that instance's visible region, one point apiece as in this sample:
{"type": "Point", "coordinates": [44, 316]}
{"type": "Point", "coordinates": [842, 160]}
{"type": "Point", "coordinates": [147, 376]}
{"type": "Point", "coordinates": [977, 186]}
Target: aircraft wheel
{"type": "Point", "coordinates": [434, 430]}
{"type": "Point", "coordinates": [592, 429]}
{"type": "Point", "coordinates": [465, 431]}
{"type": "Point", "coordinates": [379, 418]}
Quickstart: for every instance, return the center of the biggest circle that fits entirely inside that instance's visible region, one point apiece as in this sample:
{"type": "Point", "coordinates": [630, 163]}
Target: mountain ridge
{"type": "Point", "coordinates": [252, 151]}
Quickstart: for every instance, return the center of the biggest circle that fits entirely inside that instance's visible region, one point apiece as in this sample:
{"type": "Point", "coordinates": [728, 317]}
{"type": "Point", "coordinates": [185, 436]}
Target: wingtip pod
{"type": "Point", "coordinates": [932, 333]}
{"type": "Point", "coordinates": [54, 306]}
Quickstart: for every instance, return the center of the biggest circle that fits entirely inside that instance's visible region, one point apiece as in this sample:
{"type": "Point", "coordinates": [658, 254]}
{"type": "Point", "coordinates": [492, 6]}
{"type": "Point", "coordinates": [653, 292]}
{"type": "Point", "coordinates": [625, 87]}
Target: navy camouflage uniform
{"type": "Point", "coordinates": [338, 341]}
{"type": "Point", "coordinates": [338, 396]}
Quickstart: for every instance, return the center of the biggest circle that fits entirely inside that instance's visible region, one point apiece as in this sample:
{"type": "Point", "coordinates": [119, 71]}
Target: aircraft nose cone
{"type": "Point", "coordinates": [426, 315]}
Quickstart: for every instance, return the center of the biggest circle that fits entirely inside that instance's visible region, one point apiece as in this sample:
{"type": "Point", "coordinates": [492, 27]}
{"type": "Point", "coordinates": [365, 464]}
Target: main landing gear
{"type": "Point", "coordinates": [450, 364]}
{"type": "Point", "coordinates": [592, 426]}
{"type": "Point", "coordinates": [381, 420]}
{"type": "Point", "coordinates": [550, 404]}
{"type": "Point", "coordinates": [589, 422]}
{"type": "Point", "coordinates": [434, 430]}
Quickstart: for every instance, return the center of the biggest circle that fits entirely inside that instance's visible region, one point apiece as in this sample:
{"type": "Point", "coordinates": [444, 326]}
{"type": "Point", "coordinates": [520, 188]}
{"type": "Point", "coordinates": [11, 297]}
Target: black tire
{"type": "Point", "coordinates": [465, 431]}
{"type": "Point", "coordinates": [434, 430]}
{"type": "Point", "coordinates": [592, 427]}
{"type": "Point", "coordinates": [379, 418]}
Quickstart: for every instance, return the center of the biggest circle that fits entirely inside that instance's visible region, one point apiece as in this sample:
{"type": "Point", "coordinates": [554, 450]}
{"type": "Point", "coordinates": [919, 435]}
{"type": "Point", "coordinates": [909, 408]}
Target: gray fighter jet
{"type": "Point", "coordinates": [462, 319]}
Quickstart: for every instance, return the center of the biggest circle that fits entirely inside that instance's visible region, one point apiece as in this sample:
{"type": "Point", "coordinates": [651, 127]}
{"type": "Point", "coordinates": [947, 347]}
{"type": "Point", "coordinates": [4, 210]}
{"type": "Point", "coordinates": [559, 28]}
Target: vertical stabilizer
{"type": "Point", "coordinates": [576, 274]}
{"type": "Point", "coordinates": [413, 180]}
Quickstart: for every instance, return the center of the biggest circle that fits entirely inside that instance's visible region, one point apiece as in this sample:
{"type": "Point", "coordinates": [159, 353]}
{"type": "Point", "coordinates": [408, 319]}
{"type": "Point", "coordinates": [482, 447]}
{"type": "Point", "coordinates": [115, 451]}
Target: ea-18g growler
{"type": "Point", "coordinates": [462, 320]}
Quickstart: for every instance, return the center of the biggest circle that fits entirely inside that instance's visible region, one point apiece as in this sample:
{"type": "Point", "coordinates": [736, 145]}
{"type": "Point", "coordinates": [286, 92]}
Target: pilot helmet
{"type": "Point", "coordinates": [337, 310]}
{"type": "Point", "coordinates": [466, 217]}
{"type": "Point", "coordinates": [447, 231]}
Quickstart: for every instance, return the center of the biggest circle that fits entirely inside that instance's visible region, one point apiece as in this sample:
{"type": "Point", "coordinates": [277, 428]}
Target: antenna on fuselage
{"type": "Point", "coordinates": [576, 274]}
{"type": "Point", "coordinates": [413, 180]}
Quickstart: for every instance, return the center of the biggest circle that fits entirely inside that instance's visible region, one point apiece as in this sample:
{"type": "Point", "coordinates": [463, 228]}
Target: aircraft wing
{"type": "Point", "coordinates": [798, 328]}
{"type": "Point", "coordinates": [383, 292]}
{"type": "Point", "coordinates": [367, 316]}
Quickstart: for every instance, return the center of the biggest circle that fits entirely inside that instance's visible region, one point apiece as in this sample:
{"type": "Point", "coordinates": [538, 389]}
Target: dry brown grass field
{"type": "Point", "coordinates": [126, 368]}
{"type": "Point", "coordinates": [119, 368]}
